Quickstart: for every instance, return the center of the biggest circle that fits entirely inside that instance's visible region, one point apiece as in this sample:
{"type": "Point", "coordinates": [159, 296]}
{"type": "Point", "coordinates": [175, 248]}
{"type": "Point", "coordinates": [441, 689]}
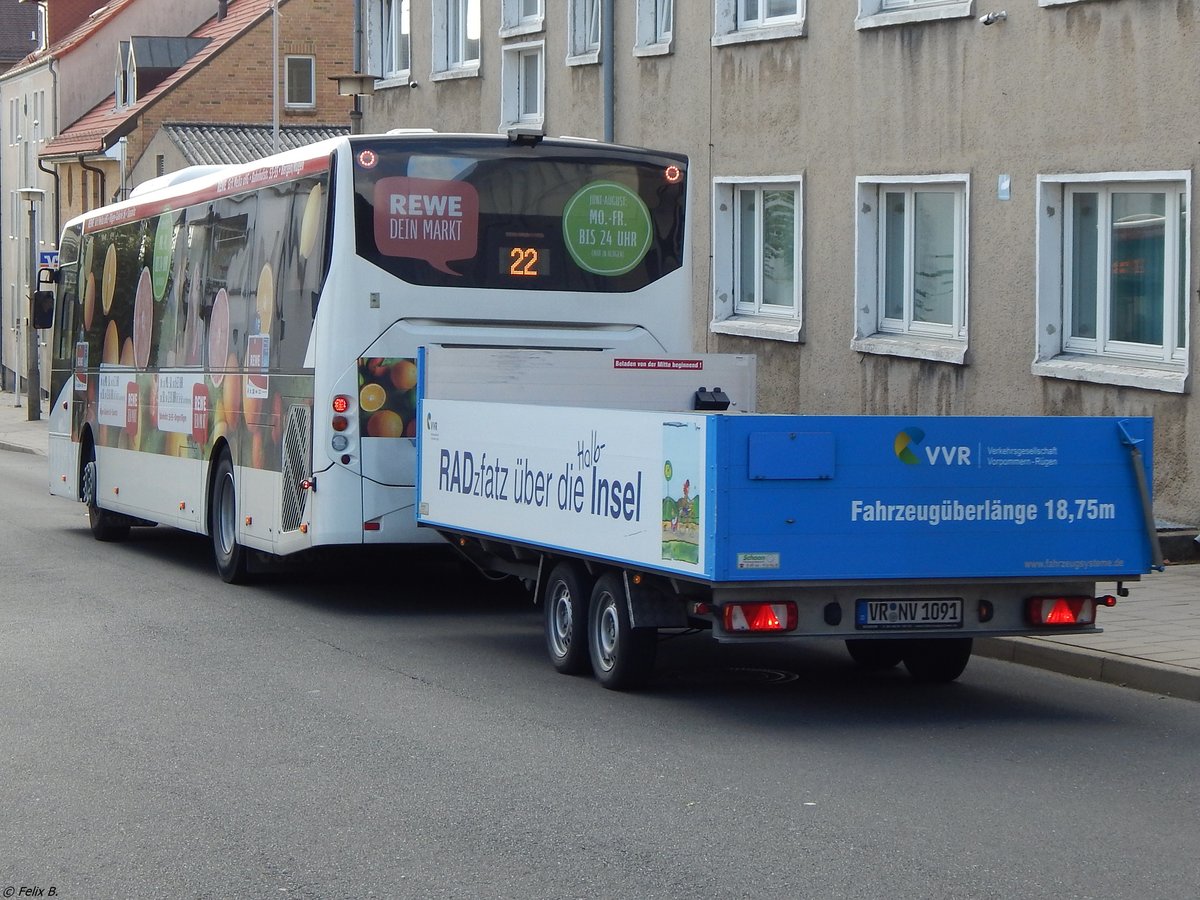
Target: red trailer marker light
{"type": "Point", "coordinates": [1065, 611]}
{"type": "Point", "coordinates": [760, 617]}
{"type": "Point", "coordinates": [341, 403]}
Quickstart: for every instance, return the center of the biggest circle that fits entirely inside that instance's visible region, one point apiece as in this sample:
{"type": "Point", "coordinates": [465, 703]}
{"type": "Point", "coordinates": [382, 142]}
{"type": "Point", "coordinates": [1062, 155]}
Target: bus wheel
{"type": "Point", "coordinates": [937, 661]}
{"type": "Point", "coordinates": [222, 524]}
{"type": "Point", "coordinates": [106, 526]}
{"type": "Point", "coordinates": [876, 656]}
{"type": "Point", "coordinates": [566, 615]}
{"type": "Point", "coordinates": [622, 656]}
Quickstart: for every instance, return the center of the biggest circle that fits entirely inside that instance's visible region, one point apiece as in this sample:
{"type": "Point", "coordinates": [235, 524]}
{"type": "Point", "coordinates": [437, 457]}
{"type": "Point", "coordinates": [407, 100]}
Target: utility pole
{"type": "Point", "coordinates": [274, 76]}
{"type": "Point", "coordinates": [33, 378]}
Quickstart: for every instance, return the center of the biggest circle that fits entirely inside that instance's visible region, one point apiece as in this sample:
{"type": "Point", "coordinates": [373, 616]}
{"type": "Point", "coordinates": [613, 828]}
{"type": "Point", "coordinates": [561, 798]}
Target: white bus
{"type": "Point", "coordinates": [233, 354]}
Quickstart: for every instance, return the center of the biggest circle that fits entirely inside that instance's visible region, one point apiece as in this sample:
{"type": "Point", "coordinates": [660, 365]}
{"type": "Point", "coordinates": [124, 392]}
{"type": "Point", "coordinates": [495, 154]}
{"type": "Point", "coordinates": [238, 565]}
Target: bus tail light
{"type": "Point", "coordinates": [341, 406]}
{"type": "Point", "coordinates": [760, 617]}
{"type": "Point", "coordinates": [1061, 611]}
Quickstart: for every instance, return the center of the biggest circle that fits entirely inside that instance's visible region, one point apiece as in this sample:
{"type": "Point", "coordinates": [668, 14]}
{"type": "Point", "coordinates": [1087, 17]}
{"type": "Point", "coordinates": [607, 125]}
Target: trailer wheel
{"type": "Point", "coordinates": [622, 656]}
{"type": "Point", "coordinates": [937, 661]}
{"type": "Point", "coordinates": [230, 556]}
{"type": "Point", "coordinates": [566, 616]}
{"type": "Point", "coordinates": [106, 526]}
{"type": "Point", "coordinates": [876, 656]}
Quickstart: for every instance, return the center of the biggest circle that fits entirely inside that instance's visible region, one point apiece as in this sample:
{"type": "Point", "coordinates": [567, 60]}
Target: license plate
{"type": "Point", "coordinates": [908, 615]}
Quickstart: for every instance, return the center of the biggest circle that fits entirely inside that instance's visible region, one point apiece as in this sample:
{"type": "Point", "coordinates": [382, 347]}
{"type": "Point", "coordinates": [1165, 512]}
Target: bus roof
{"type": "Point", "coordinates": [189, 187]}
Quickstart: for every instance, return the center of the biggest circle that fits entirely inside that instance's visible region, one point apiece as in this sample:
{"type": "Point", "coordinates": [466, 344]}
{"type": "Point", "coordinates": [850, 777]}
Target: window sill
{"type": "Point", "coordinates": [1110, 372]}
{"type": "Point", "coordinates": [452, 74]}
{"type": "Point", "coordinates": [523, 28]}
{"type": "Point", "coordinates": [591, 58]}
{"type": "Point", "coordinates": [959, 10]}
{"type": "Point", "coordinates": [523, 123]}
{"type": "Point", "coordinates": [394, 80]}
{"type": "Point", "coordinates": [753, 35]}
{"type": "Point", "coordinates": [932, 349]}
{"type": "Point", "coordinates": [652, 49]}
{"type": "Point", "coordinates": [761, 327]}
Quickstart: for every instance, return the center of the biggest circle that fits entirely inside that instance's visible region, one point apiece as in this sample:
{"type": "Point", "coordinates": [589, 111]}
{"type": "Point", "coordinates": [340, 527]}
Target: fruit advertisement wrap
{"type": "Point", "coordinates": [387, 396]}
{"type": "Point", "coordinates": [195, 325]}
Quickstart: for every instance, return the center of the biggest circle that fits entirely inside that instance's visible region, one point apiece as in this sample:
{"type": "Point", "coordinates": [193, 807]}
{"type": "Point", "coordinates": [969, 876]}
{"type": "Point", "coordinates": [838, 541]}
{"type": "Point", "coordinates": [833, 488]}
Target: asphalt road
{"type": "Point", "coordinates": [396, 731]}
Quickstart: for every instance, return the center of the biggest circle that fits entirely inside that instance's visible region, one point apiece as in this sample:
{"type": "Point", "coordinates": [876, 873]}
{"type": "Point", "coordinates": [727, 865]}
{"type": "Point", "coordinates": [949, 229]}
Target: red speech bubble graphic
{"type": "Point", "coordinates": [427, 218]}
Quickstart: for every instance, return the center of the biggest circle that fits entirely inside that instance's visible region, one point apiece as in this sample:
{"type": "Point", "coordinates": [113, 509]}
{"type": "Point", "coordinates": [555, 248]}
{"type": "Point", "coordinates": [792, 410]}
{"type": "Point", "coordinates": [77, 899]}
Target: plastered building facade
{"type": "Point", "coordinates": [900, 206]}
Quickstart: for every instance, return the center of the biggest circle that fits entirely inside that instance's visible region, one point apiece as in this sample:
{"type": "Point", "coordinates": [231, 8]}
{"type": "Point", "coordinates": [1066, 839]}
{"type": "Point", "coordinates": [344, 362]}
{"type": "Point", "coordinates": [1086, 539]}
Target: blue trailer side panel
{"type": "Point", "coordinates": [859, 497]}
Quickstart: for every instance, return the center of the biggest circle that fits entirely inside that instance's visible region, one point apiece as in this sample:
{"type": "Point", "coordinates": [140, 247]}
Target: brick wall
{"type": "Point", "coordinates": [234, 86]}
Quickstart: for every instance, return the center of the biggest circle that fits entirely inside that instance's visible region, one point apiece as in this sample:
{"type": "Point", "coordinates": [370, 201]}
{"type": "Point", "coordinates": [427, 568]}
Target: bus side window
{"type": "Point", "coordinates": [68, 294]}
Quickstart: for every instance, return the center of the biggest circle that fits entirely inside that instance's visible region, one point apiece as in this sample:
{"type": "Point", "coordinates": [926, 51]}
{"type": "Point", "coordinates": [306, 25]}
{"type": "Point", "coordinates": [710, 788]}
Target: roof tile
{"type": "Point", "coordinates": [227, 144]}
{"type": "Point", "coordinates": [112, 123]}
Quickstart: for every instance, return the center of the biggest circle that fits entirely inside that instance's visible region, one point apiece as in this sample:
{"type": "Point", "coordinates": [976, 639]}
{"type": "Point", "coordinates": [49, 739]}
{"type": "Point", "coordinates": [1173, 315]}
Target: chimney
{"type": "Point", "coordinates": [222, 9]}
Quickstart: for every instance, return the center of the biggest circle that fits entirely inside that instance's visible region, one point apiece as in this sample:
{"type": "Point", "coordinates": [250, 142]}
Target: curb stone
{"type": "Point", "coordinates": [1107, 667]}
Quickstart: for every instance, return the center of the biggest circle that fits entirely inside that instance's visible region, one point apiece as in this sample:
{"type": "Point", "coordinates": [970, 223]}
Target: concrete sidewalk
{"type": "Point", "coordinates": [1151, 639]}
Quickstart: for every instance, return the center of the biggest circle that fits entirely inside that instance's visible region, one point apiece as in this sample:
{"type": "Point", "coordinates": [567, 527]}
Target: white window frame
{"type": "Point", "coordinates": [513, 89]}
{"type": "Point", "coordinates": [1057, 354]}
{"type": "Point", "coordinates": [873, 332]}
{"type": "Point", "coordinates": [730, 316]}
{"type": "Point", "coordinates": [729, 27]}
{"type": "Point", "coordinates": [288, 102]}
{"type": "Point", "coordinates": [584, 32]}
{"type": "Point", "coordinates": [514, 21]}
{"type": "Point", "coordinates": [392, 20]}
{"type": "Point", "coordinates": [882, 13]}
{"type": "Point", "coordinates": [1058, 2]}
{"type": "Point", "coordinates": [655, 27]}
{"type": "Point", "coordinates": [449, 50]}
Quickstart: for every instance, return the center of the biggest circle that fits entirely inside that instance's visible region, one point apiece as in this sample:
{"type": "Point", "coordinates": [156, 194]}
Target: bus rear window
{"type": "Point", "coordinates": [551, 217]}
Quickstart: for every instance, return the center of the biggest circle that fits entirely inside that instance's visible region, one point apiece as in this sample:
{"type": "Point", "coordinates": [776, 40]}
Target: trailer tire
{"type": "Point", "coordinates": [566, 600]}
{"type": "Point", "coordinates": [229, 555]}
{"type": "Point", "coordinates": [622, 656]}
{"type": "Point", "coordinates": [937, 661]}
{"type": "Point", "coordinates": [876, 656]}
{"type": "Point", "coordinates": [106, 526]}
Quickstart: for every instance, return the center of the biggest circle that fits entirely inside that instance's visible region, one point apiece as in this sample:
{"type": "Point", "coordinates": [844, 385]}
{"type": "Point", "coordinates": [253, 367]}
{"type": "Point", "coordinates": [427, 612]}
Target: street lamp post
{"type": "Point", "coordinates": [33, 379]}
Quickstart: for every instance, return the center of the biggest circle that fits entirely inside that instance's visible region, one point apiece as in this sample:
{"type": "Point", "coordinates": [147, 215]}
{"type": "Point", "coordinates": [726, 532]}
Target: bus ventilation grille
{"type": "Point", "coordinates": [297, 445]}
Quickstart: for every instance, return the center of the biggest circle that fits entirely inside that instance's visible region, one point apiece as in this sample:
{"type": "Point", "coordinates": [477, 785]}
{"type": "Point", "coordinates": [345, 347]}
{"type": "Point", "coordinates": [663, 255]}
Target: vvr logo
{"type": "Point", "coordinates": [909, 440]}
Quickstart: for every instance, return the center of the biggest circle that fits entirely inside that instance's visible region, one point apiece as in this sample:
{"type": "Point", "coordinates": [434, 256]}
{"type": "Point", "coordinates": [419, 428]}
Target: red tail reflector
{"type": "Point", "coordinates": [760, 617]}
{"type": "Point", "coordinates": [1061, 610]}
{"type": "Point", "coordinates": [372, 525]}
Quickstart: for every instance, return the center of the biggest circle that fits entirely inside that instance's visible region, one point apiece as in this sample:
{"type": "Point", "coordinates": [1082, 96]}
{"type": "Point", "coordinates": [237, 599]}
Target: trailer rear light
{"type": "Point", "coordinates": [1062, 611]}
{"type": "Point", "coordinates": [341, 403]}
{"type": "Point", "coordinates": [760, 617]}
{"type": "Point", "coordinates": [340, 423]}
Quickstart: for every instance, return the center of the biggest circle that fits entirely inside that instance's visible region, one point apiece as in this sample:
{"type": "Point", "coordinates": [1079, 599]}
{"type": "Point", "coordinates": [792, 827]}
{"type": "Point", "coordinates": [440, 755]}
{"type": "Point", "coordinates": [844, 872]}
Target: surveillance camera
{"type": "Point", "coordinates": [413, 85]}
{"type": "Point", "coordinates": [993, 17]}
